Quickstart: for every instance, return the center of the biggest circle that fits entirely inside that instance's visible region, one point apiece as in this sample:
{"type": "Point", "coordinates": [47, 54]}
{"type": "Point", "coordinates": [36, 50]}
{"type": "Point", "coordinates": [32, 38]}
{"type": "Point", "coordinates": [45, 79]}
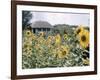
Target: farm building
{"type": "Point", "coordinates": [39, 26]}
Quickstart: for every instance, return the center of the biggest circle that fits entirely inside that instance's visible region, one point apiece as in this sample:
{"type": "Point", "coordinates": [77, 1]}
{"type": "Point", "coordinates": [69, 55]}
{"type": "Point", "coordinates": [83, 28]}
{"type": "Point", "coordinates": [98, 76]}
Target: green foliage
{"type": "Point", "coordinates": [26, 17]}
{"type": "Point", "coordinates": [46, 56]}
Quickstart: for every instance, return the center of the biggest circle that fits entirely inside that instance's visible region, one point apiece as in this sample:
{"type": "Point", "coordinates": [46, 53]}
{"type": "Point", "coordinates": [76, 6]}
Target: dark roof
{"type": "Point", "coordinates": [41, 24]}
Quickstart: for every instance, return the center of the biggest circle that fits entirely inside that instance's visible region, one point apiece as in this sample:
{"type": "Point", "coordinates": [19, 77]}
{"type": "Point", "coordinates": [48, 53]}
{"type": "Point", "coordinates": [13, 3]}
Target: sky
{"type": "Point", "coordinates": [61, 18]}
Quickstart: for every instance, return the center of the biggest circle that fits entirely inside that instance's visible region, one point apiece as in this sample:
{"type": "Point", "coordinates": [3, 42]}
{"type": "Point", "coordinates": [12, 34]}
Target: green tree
{"type": "Point", "coordinates": [26, 17]}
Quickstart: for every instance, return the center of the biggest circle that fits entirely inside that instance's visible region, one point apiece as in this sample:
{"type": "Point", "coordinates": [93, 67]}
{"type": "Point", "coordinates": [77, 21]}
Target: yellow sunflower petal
{"type": "Point", "coordinates": [65, 36]}
{"type": "Point", "coordinates": [63, 52]}
{"type": "Point", "coordinates": [84, 38]}
{"type": "Point", "coordinates": [58, 39]}
{"type": "Point", "coordinates": [86, 61]}
{"type": "Point", "coordinates": [79, 29]}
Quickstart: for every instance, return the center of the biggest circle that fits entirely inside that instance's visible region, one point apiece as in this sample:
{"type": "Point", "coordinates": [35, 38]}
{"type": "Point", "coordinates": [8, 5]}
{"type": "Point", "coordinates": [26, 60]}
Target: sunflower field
{"type": "Point", "coordinates": [62, 47]}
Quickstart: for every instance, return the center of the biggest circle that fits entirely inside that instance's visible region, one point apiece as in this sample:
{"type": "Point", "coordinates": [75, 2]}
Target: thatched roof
{"type": "Point", "coordinates": [41, 24]}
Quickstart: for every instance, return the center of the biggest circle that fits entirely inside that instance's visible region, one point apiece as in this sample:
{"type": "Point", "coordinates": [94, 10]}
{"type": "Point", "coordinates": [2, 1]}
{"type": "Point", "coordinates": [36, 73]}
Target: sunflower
{"type": "Point", "coordinates": [50, 39]}
{"type": "Point", "coordinates": [53, 38]}
{"type": "Point", "coordinates": [27, 51]}
{"type": "Point", "coordinates": [84, 38]}
{"type": "Point", "coordinates": [28, 33]}
{"type": "Point", "coordinates": [28, 43]}
{"type": "Point", "coordinates": [58, 39]}
{"type": "Point", "coordinates": [85, 61]}
{"type": "Point", "coordinates": [65, 36]}
{"type": "Point", "coordinates": [79, 30]}
{"type": "Point", "coordinates": [63, 52]}
{"type": "Point", "coordinates": [41, 40]}
{"type": "Point", "coordinates": [41, 34]}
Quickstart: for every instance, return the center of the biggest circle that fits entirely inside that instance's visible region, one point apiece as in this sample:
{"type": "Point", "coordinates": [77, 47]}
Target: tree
{"type": "Point", "coordinates": [26, 17]}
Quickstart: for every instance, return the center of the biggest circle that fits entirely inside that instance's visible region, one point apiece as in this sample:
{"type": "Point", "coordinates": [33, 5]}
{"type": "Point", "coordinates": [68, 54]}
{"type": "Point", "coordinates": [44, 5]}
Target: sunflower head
{"type": "Point", "coordinates": [84, 39]}
{"type": "Point", "coordinates": [41, 34]}
{"type": "Point", "coordinates": [79, 29]}
{"type": "Point", "coordinates": [28, 33]}
{"type": "Point", "coordinates": [58, 39]}
{"type": "Point", "coordinates": [41, 40]}
{"type": "Point", "coordinates": [27, 44]}
{"type": "Point", "coordinates": [49, 37]}
{"type": "Point", "coordinates": [65, 36]}
{"type": "Point", "coordinates": [27, 51]}
{"type": "Point", "coordinates": [63, 52]}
